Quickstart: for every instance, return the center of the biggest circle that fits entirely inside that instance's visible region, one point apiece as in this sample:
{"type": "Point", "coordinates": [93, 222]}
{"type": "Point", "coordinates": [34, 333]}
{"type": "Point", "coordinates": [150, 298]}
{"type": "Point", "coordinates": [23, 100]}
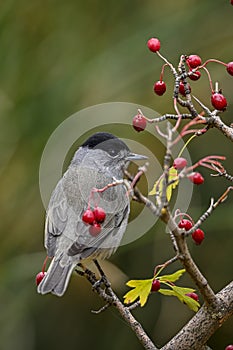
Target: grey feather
{"type": "Point", "coordinates": [67, 238]}
{"type": "Point", "coordinates": [57, 278]}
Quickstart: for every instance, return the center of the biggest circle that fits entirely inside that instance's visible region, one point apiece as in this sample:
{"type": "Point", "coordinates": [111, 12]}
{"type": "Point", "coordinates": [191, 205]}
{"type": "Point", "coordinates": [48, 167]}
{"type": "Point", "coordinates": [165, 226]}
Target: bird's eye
{"type": "Point", "coordinates": [112, 152]}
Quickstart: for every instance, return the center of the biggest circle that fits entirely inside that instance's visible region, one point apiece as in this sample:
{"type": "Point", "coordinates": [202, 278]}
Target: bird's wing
{"type": "Point", "coordinates": [105, 243]}
{"type": "Point", "coordinates": [56, 218]}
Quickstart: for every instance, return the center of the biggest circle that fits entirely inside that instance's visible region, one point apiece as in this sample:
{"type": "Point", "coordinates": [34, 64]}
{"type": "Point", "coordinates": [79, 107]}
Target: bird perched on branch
{"type": "Point", "coordinates": [82, 222]}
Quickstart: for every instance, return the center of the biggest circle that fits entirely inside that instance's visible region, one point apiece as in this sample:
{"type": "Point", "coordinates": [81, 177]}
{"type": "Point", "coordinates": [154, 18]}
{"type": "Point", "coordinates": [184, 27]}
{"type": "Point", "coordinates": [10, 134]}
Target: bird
{"type": "Point", "coordinates": [98, 162]}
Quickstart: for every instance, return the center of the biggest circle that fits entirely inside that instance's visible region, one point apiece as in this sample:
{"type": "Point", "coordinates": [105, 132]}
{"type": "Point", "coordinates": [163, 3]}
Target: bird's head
{"type": "Point", "coordinates": [110, 152]}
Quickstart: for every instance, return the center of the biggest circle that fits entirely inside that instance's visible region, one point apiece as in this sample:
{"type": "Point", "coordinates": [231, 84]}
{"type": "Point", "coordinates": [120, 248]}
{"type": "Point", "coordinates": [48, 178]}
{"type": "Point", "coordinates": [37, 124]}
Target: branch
{"type": "Point", "coordinates": [226, 130]}
{"type": "Point", "coordinates": [205, 322]}
{"type": "Point", "coordinates": [187, 261]}
{"type": "Point", "coordinates": [222, 173]}
{"type": "Point", "coordinates": [103, 288]}
{"type": "Point", "coordinates": [213, 205]}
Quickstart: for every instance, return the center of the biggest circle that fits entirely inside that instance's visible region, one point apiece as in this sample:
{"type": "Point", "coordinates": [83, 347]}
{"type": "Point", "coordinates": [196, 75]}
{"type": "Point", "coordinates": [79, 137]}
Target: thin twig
{"type": "Point", "coordinates": [106, 293]}
{"type": "Point", "coordinates": [222, 173]}
{"type": "Point", "coordinates": [207, 213]}
{"type": "Point", "coordinates": [187, 260]}
{"type": "Point", "coordinates": [168, 262]}
{"type": "Point", "coordinates": [103, 308]}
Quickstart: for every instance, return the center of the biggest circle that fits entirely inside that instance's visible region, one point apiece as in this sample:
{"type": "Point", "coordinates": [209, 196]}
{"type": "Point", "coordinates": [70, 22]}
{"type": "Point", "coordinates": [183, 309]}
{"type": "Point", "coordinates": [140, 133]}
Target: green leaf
{"type": "Point", "coordinates": [191, 303]}
{"type": "Point", "coordinates": [173, 277]}
{"type": "Point", "coordinates": [180, 293]}
{"type": "Point", "coordinates": [182, 290]}
{"type": "Point", "coordinates": [142, 289]}
{"type": "Point", "coordinates": [158, 186]}
{"type": "Point", "coordinates": [167, 292]}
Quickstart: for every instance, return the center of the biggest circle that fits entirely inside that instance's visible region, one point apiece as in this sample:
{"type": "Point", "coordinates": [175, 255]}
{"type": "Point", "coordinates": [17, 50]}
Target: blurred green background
{"type": "Point", "coordinates": [57, 57]}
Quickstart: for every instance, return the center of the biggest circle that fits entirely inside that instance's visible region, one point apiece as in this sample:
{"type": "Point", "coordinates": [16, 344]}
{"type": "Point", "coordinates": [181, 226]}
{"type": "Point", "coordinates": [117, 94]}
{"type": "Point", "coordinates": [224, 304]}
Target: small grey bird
{"type": "Point", "coordinates": [100, 161]}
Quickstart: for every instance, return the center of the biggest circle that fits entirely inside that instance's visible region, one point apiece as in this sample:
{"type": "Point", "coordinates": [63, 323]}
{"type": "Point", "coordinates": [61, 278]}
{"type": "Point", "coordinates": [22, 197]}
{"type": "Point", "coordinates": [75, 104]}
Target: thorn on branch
{"type": "Point", "coordinates": [134, 305]}
{"type": "Point", "coordinates": [103, 308]}
{"type": "Point", "coordinates": [223, 197]}
{"type": "Point", "coordinates": [141, 171]}
{"type": "Point", "coordinates": [222, 173]}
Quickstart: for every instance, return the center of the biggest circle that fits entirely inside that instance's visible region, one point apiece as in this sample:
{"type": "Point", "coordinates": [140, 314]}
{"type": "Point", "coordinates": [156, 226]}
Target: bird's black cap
{"type": "Point", "coordinates": [106, 142]}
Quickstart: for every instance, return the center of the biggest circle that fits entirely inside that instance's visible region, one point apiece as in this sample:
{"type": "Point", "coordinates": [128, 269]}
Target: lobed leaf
{"type": "Point", "coordinates": [173, 277]}
{"type": "Point", "coordinates": [158, 186]}
{"type": "Point", "coordinates": [142, 289]}
{"type": "Point", "coordinates": [180, 293]}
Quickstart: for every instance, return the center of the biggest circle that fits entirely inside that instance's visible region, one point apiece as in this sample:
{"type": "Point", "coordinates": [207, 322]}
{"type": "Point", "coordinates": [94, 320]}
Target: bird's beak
{"type": "Point", "coordinates": [134, 156]}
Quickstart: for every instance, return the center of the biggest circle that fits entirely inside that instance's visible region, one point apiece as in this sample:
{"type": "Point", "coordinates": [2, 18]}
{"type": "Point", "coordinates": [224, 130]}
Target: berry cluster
{"type": "Point", "coordinates": [180, 163]}
{"type": "Point", "coordinates": [156, 286]}
{"type": "Point", "coordinates": [194, 65]}
{"type": "Point", "coordinates": [94, 218]}
{"type": "Point", "coordinates": [198, 235]}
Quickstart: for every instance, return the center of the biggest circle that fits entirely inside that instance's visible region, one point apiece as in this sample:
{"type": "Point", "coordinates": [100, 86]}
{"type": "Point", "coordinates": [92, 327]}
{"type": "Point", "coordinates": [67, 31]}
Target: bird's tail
{"type": "Point", "coordinates": [57, 278]}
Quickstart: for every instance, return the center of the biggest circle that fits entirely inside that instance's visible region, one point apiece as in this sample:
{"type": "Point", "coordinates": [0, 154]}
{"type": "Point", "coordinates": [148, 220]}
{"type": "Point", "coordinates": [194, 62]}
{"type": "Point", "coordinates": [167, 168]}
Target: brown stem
{"type": "Point", "coordinates": [226, 130]}
{"type": "Point", "coordinates": [187, 261]}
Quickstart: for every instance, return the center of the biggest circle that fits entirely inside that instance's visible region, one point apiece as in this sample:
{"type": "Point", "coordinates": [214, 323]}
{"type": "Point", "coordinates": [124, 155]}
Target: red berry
{"type": "Point", "coordinates": [231, 4]}
{"type": "Point", "coordinates": [95, 229]}
{"type": "Point", "coordinates": [230, 64]}
{"type": "Point", "coordinates": [186, 224]}
{"type": "Point", "coordinates": [195, 75]}
{"type": "Point", "coordinates": [155, 286]}
{"type": "Point", "coordinates": [99, 215]}
{"type": "Point", "coordinates": [153, 44]}
{"type": "Point", "coordinates": [88, 217]}
{"type": "Point", "coordinates": [180, 163]}
{"type": "Point", "coordinates": [194, 61]}
{"type": "Point", "coordinates": [218, 101]}
{"type": "Point", "coordinates": [198, 236]}
{"type": "Point", "coordinates": [193, 296]}
{"type": "Point", "coordinates": [39, 277]}
{"type": "Point", "coordinates": [159, 88]}
{"type": "Point", "coordinates": [229, 347]}
{"type": "Point", "coordinates": [196, 178]}
{"type": "Point", "coordinates": [139, 122]}
{"type": "Point", "coordinates": [182, 89]}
